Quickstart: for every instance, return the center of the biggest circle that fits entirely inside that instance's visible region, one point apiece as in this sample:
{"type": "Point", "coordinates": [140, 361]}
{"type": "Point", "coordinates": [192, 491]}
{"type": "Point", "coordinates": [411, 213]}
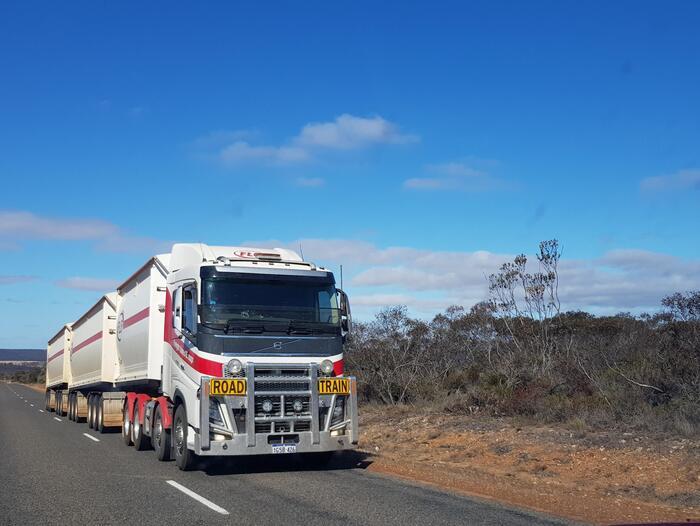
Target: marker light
{"type": "Point", "coordinates": [267, 406]}
{"type": "Point", "coordinates": [234, 367]}
{"type": "Point", "coordinates": [298, 406]}
{"type": "Point", "coordinates": [327, 367]}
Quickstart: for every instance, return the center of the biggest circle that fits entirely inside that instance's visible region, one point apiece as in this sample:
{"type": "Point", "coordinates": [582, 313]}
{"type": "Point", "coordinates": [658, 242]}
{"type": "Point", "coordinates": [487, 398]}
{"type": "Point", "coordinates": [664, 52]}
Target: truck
{"type": "Point", "coordinates": [212, 351]}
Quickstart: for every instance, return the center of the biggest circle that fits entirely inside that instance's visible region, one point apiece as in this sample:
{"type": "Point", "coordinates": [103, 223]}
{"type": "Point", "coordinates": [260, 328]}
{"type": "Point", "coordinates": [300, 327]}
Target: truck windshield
{"type": "Point", "coordinates": [310, 302]}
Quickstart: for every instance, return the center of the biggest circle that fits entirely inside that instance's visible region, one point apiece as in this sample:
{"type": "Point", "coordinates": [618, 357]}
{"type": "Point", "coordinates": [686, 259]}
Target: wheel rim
{"type": "Point", "coordinates": [137, 424]}
{"type": "Point", "coordinates": [158, 428]}
{"type": "Point", "coordinates": [179, 437]}
{"type": "Point", "coordinates": [126, 429]}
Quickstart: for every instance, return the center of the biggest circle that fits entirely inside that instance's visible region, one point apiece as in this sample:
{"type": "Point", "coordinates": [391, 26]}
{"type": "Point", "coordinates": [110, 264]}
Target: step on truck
{"type": "Point", "coordinates": [212, 351]}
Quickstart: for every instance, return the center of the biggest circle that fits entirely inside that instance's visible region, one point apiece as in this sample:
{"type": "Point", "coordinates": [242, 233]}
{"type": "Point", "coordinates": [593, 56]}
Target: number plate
{"type": "Point", "coordinates": [227, 386]}
{"type": "Point", "coordinates": [284, 448]}
{"type": "Point", "coordinates": [338, 386]}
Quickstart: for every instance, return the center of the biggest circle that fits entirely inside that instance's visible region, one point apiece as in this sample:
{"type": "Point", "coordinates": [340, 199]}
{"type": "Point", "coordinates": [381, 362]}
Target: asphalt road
{"type": "Point", "coordinates": [53, 472]}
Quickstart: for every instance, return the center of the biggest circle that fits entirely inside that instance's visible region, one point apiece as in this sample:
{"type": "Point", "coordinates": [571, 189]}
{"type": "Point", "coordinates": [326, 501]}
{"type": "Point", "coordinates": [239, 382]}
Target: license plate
{"type": "Point", "coordinates": [227, 386]}
{"type": "Point", "coordinates": [284, 448]}
{"type": "Point", "coordinates": [338, 386]}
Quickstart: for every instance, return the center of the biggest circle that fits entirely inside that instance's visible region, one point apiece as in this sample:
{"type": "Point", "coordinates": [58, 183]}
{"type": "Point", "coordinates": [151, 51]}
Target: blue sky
{"type": "Point", "coordinates": [419, 144]}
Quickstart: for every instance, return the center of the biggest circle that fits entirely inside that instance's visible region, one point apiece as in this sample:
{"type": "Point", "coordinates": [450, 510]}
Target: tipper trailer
{"type": "Point", "coordinates": [212, 351]}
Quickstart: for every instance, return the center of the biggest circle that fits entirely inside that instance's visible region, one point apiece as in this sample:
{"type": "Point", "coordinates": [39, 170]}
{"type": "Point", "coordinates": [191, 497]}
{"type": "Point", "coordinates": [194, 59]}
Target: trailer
{"type": "Point", "coordinates": [213, 351]}
{"type": "Point", "coordinates": [58, 369]}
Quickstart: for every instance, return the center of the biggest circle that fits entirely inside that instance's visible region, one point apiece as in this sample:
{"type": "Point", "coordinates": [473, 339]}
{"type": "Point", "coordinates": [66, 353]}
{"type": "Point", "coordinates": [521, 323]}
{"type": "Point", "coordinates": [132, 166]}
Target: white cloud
{"type": "Point", "coordinates": [346, 132]}
{"type": "Point", "coordinates": [428, 281]}
{"type": "Point", "coordinates": [92, 284]}
{"type": "Point", "coordinates": [242, 151]}
{"type": "Point", "coordinates": [310, 182]}
{"type": "Point", "coordinates": [681, 180]}
{"type": "Point", "coordinates": [456, 176]}
{"type": "Point", "coordinates": [19, 226]}
{"type": "Point", "coordinates": [11, 280]}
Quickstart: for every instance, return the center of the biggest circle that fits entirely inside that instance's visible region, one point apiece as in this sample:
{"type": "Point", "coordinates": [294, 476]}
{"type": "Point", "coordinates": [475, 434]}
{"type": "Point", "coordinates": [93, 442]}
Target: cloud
{"type": "Point", "coordinates": [346, 132]}
{"type": "Point", "coordinates": [11, 280]}
{"type": "Point", "coordinates": [19, 226]}
{"type": "Point", "coordinates": [310, 182]}
{"type": "Point", "coordinates": [349, 132]}
{"type": "Point", "coordinates": [455, 176]}
{"type": "Point", "coordinates": [242, 151]}
{"type": "Point", "coordinates": [92, 284]}
{"type": "Point", "coordinates": [681, 180]}
{"type": "Point", "coordinates": [430, 280]}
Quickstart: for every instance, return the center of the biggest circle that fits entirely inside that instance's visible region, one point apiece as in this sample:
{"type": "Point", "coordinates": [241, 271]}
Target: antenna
{"type": "Point", "coordinates": [341, 277]}
{"type": "Point", "coordinates": [301, 252]}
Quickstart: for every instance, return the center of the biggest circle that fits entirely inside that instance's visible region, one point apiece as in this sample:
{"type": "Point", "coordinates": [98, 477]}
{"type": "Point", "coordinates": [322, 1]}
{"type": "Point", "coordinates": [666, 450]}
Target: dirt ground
{"type": "Point", "coordinates": [602, 478]}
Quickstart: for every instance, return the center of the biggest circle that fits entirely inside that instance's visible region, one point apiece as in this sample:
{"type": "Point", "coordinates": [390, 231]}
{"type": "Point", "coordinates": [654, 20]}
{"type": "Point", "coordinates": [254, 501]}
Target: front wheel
{"type": "Point", "coordinates": [184, 458]}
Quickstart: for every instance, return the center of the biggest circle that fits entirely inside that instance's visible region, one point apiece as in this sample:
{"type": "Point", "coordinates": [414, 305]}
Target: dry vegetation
{"type": "Point", "coordinates": [518, 355]}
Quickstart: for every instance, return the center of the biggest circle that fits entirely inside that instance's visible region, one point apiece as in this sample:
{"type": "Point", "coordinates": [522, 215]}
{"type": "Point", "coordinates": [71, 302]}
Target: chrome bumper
{"type": "Point", "coordinates": [321, 435]}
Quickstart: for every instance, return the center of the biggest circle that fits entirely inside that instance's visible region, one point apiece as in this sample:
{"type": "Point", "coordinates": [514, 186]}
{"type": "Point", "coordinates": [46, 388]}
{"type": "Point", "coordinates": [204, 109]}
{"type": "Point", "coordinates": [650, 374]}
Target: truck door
{"type": "Point", "coordinates": [185, 328]}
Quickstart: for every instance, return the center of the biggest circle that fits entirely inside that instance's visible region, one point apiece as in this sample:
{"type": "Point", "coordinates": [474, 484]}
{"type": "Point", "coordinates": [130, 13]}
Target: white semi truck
{"type": "Point", "coordinates": [212, 351]}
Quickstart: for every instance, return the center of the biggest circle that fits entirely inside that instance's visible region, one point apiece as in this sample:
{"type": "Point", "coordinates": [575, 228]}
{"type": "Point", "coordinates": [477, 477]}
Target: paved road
{"type": "Point", "coordinates": [52, 473]}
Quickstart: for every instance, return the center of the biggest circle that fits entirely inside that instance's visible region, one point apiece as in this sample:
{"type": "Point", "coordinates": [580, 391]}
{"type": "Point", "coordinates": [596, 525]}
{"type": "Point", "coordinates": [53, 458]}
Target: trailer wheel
{"type": "Point", "coordinates": [137, 437]}
{"type": "Point", "coordinates": [70, 407]}
{"type": "Point", "coordinates": [46, 401]}
{"type": "Point", "coordinates": [160, 437]}
{"type": "Point", "coordinates": [184, 458]}
{"type": "Point", "coordinates": [99, 415]}
{"type": "Point", "coordinates": [91, 412]}
{"type": "Point", "coordinates": [126, 425]}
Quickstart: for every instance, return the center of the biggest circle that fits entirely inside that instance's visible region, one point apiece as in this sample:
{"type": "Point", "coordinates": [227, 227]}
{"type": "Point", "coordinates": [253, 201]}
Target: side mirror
{"type": "Point", "coordinates": [345, 315]}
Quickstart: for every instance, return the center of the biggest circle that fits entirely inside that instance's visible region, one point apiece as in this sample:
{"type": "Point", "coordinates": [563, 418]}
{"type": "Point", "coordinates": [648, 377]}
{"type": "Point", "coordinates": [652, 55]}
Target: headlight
{"type": "Point", "coordinates": [234, 367]}
{"type": "Point", "coordinates": [214, 412]}
{"type": "Point", "coordinates": [327, 367]}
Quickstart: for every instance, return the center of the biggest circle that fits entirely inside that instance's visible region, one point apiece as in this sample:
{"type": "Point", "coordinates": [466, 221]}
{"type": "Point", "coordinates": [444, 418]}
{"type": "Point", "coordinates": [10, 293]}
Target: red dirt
{"type": "Point", "coordinates": [594, 477]}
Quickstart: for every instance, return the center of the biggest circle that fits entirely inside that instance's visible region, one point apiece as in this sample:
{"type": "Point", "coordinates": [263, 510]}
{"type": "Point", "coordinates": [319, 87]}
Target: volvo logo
{"type": "Point", "coordinates": [277, 346]}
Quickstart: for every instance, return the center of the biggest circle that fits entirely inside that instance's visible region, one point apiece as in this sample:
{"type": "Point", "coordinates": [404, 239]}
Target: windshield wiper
{"type": "Point", "coordinates": [245, 327]}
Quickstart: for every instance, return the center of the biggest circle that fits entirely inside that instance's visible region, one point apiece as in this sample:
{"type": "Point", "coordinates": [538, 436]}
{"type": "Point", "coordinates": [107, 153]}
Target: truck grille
{"type": "Point", "coordinates": [279, 389]}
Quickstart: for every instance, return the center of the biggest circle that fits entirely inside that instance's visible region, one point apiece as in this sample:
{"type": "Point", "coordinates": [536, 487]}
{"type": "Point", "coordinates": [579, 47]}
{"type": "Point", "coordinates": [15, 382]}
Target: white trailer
{"type": "Point", "coordinates": [93, 356]}
{"type": "Point", "coordinates": [58, 368]}
{"type": "Point", "coordinates": [217, 351]}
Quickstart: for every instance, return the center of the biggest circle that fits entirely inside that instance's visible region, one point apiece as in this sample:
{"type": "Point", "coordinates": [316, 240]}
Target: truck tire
{"type": "Point", "coordinates": [91, 412]}
{"type": "Point", "coordinates": [184, 458]}
{"type": "Point", "coordinates": [126, 425]}
{"type": "Point", "coordinates": [99, 415]}
{"type": "Point", "coordinates": [46, 401]}
{"type": "Point", "coordinates": [160, 437]}
{"type": "Point", "coordinates": [140, 440]}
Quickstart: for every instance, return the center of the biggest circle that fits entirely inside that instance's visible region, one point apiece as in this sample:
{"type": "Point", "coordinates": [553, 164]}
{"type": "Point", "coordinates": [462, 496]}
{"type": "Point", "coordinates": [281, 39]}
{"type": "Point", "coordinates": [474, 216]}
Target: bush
{"type": "Point", "coordinates": [641, 372]}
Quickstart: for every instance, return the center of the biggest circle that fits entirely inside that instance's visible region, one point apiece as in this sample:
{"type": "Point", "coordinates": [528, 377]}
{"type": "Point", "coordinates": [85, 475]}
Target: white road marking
{"type": "Point", "coordinates": [31, 405]}
{"type": "Point", "coordinates": [91, 437]}
{"type": "Point", "coordinates": [41, 410]}
{"type": "Point", "coordinates": [209, 504]}
{"type": "Point", "coordinates": [57, 419]}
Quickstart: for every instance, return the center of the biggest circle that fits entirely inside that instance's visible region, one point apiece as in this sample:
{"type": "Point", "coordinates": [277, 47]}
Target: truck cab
{"type": "Point", "coordinates": [253, 354]}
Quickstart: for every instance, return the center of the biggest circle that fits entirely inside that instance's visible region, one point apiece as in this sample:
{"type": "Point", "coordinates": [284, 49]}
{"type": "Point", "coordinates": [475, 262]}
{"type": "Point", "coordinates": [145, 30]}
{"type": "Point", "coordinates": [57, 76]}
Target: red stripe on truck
{"type": "Point", "coordinates": [199, 364]}
{"type": "Point", "coordinates": [91, 339]}
{"type": "Point", "coordinates": [56, 355]}
{"type": "Point", "coordinates": [140, 315]}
